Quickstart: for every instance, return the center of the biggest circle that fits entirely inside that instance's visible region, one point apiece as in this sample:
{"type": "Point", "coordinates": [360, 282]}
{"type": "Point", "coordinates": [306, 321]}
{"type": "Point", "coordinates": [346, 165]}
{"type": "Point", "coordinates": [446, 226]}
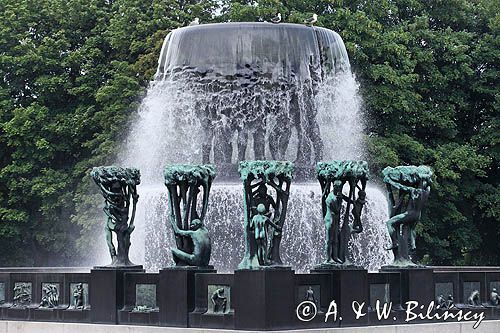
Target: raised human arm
{"type": "Point", "coordinates": [251, 226]}
{"type": "Point", "coordinates": [108, 214]}
{"type": "Point", "coordinates": [275, 226]}
{"type": "Point", "coordinates": [108, 193]}
{"type": "Point", "coordinates": [178, 231]}
{"type": "Point", "coordinates": [135, 197]}
{"type": "Point", "coordinates": [347, 199]}
{"type": "Point", "coordinates": [399, 186]}
{"type": "Point", "coordinates": [398, 204]}
{"type": "Point", "coordinates": [278, 189]}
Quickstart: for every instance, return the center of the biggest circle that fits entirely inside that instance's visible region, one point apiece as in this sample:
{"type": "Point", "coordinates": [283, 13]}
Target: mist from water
{"type": "Point", "coordinates": [303, 241]}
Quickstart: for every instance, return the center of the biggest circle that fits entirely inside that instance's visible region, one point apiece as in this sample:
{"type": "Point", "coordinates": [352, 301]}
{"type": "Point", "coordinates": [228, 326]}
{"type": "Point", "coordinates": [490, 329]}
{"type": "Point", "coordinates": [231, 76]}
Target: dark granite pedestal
{"type": "Point", "coordinates": [264, 299]}
{"type": "Point", "coordinates": [107, 292]}
{"type": "Point", "coordinates": [48, 314]}
{"type": "Point", "coordinates": [177, 294]}
{"type": "Point", "coordinates": [76, 315]}
{"type": "Point", "coordinates": [205, 314]}
{"type": "Point", "coordinates": [72, 314]}
{"type": "Point", "coordinates": [347, 284]}
{"type": "Point", "coordinates": [416, 283]}
{"type": "Point", "coordinates": [23, 311]}
{"type": "Point", "coordinates": [20, 312]}
{"type": "Point", "coordinates": [141, 294]}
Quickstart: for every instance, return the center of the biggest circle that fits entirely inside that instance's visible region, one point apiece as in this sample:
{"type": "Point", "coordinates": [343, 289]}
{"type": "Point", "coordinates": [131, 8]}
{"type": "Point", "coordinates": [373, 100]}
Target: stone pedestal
{"type": "Point", "coordinates": [177, 294]}
{"type": "Point", "coordinates": [107, 292]}
{"type": "Point", "coordinates": [203, 314]}
{"type": "Point", "coordinates": [348, 285]}
{"type": "Point", "coordinates": [264, 299]}
{"type": "Point", "coordinates": [417, 284]}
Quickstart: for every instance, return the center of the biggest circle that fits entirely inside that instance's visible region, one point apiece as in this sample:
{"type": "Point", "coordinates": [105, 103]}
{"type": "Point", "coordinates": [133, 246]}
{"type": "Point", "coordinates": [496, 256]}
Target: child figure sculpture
{"type": "Point", "coordinates": [266, 188]}
{"type": "Point", "coordinates": [259, 226]}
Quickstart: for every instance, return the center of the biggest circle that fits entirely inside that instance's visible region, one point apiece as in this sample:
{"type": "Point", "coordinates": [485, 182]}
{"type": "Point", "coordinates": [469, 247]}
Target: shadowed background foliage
{"type": "Point", "coordinates": [74, 71]}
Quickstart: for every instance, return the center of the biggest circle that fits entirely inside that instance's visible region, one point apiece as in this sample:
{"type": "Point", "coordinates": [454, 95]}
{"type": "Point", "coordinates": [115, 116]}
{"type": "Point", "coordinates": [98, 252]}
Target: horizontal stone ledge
{"type": "Point", "coordinates": [45, 269]}
{"type": "Point", "coordinates": [435, 269]}
{"type": "Point", "coordinates": [489, 326]}
{"type": "Point", "coordinates": [463, 269]}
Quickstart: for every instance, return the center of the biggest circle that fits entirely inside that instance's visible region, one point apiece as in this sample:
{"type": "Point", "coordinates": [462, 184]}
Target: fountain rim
{"type": "Point", "coordinates": [241, 29]}
{"type": "Point", "coordinates": [252, 24]}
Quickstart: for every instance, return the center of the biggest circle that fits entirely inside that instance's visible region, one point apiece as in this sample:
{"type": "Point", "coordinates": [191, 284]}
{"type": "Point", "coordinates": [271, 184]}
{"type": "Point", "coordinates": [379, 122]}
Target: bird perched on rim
{"type": "Point", "coordinates": [277, 18]}
{"type": "Point", "coordinates": [196, 21]}
{"type": "Point", "coordinates": [310, 21]}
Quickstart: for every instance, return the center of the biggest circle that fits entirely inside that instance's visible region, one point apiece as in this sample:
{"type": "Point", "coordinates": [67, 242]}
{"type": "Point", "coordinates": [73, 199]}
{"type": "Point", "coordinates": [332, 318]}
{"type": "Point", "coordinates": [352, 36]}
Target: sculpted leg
{"type": "Point", "coordinates": [329, 244]}
{"type": "Point", "coordinates": [413, 235]}
{"type": "Point", "coordinates": [259, 145]}
{"type": "Point", "coordinates": [109, 241]}
{"type": "Point", "coordinates": [242, 143]}
{"type": "Point", "coordinates": [183, 257]}
{"type": "Point", "coordinates": [393, 225]}
{"type": "Point", "coordinates": [336, 243]}
{"type": "Point", "coordinates": [391, 228]}
{"type": "Point", "coordinates": [206, 149]}
{"type": "Point", "coordinates": [357, 226]}
{"type": "Point", "coordinates": [260, 252]}
{"type": "Point", "coordinates": [127, 238]}
{"type": "Point", "coordinates": [208, 136]}
{"type": "Point", "coordinates": [317, 143]}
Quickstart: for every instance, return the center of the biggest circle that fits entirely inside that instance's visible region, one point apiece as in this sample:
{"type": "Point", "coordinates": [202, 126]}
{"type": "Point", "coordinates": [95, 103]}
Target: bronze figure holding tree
{"type": "Point", "coordinates": [333, 176]}
{"type": "Point", "coordinates": [266, 188]}
{"type": "Point", "coordinates": [188, 189]}
{"type": "Point", "coordinates": [119, 189]}
{"type": "Point", "coordinates": [408, 189]}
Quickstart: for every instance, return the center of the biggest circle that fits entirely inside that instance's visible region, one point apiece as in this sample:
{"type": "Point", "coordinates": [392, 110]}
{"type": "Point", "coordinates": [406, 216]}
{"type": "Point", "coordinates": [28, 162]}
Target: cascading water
{"type": "Point", "coordinates": [227, 92]}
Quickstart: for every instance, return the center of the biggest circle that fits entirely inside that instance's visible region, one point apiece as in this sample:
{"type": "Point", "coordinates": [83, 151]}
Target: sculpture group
{"type": "Point", "coordinates": [266, 189]}
{"type": "Point", "coordinates": [50, 296]}
{"type": "Point", "coordinates": [333, 177]}
{"type": "Point", "coordinates": [187, 186]}
{"type": "Point", "coordinates": [119, 189]}
{"type": "Point", "coordinates": [408, 190]}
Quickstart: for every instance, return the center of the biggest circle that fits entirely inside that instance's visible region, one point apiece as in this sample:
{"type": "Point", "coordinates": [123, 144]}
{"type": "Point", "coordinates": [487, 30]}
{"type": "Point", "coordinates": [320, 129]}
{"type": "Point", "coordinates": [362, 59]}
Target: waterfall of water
{"type": "Point", "coordinates": [303, 237]}
{"type": "Point", "coordinates": [192, 107]}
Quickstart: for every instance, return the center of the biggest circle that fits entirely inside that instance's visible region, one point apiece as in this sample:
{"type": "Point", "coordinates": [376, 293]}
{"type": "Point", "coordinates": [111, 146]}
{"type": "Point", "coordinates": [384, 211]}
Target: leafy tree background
{"type": "Point", "coordinates": [74, 71]}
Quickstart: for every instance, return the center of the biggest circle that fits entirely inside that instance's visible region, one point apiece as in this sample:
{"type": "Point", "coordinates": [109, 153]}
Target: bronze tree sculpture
{"type": "Point", "coordinates": [119, 189]}
{"type": "Point", "coordinates": [264, 213]}
{"type": "Point", "coordinates": [185, 184]}
{"type": "Point", "coordinates": [333, 176]}
{"type": "Point", "coordinates": [408, 190]}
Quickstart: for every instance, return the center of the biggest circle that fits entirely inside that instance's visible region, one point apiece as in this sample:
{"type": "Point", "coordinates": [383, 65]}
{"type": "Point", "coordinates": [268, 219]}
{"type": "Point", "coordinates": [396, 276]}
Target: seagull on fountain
{"type": "Point", "coordinates": [310, 21]}
{"type": "Point", "coordinates": [277, 18]}
{"type": "Point", "coordinates": [196, 21]}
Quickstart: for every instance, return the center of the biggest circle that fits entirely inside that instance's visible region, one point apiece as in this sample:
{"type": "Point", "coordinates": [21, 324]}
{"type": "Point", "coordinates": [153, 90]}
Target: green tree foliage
{"type": "Point", "coordinates": [74, 72]}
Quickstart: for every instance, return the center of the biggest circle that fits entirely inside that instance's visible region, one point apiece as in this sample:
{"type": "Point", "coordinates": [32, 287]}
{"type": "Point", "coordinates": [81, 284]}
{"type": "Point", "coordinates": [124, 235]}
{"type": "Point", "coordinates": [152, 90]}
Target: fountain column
{"type": "Point", "coordinates": [263, 284]}
{"type": "Point", "coordinates": [118, 187]}
{"type": "Point", "coordinates": [408, 189]}
{"type": "Point", "coordinates": [344, 277]}
{"type": "Point", "coordinates": [189, 188]}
